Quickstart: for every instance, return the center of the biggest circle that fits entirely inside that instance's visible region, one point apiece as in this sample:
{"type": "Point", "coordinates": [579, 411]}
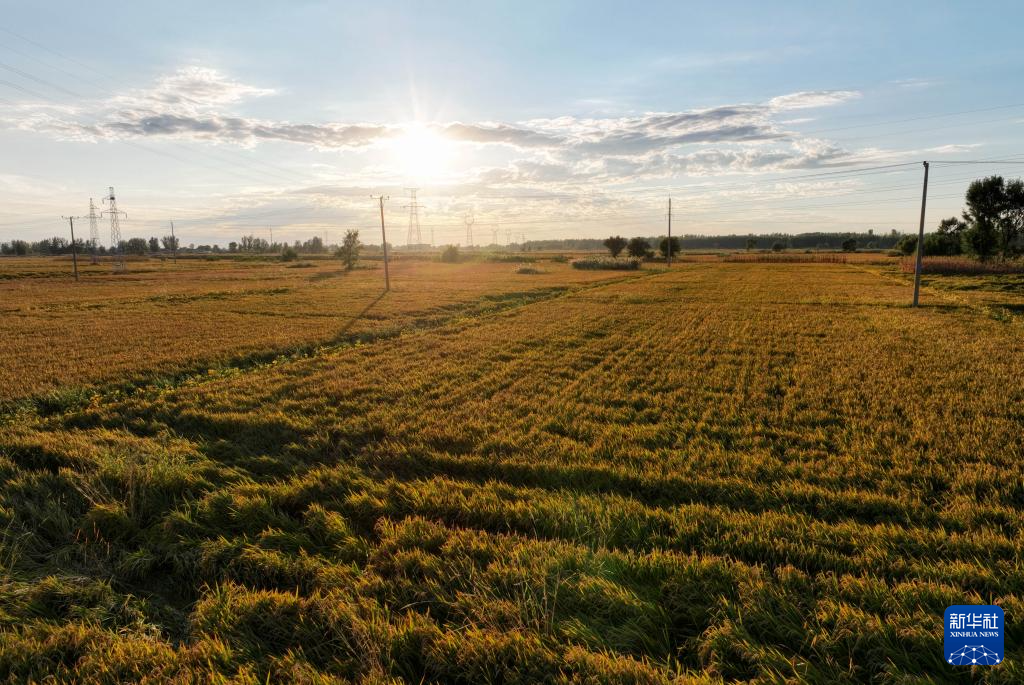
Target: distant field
{"type": "Point", "coordinates": [159, 318]}
{"type": "Point", "coordinates": [775, 472]}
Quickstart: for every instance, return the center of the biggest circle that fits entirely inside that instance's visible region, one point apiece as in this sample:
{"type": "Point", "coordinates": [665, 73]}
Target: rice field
{"type": "Point", "coordinates": [723, 472]}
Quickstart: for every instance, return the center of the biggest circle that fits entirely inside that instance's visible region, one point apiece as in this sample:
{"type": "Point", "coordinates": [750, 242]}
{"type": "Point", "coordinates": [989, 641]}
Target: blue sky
{"type": "Point", "coordinates": [552, 119]}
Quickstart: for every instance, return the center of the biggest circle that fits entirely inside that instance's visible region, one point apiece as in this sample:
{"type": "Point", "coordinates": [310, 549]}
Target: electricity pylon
{"type": "Point", "coordinates": [115, 229]}
{"type": "Point", "coordinates": [94, 232]}
{"type": "Point", "coordinates": [414, 236]}
{"type": "Point", "coordinates": [469, 229]}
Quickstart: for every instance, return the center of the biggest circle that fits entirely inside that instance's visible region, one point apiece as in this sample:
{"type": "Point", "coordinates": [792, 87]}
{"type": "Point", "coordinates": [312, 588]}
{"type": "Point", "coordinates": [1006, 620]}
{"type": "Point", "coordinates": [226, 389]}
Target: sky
{"type": "Point", "coordinates": [533, 120]}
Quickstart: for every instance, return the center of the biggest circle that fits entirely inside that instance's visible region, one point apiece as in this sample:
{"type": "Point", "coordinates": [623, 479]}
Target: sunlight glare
{"type": "Point", "coordinates": [421, 154]}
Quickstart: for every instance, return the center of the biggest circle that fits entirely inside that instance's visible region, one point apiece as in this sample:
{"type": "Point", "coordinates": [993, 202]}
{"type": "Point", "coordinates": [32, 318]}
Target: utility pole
{"type": "Point", "coordinates": [74, 248]}
{"type": "Point", "coordinates": [920, 238]}
{"type": "Point", "coordinates": [271, 229]}
{"type": "Point", "coordinates": [174, 245]}
{"type": "Point", "coordinates": [384, 241]}
{"type": "Point", "coordinates": [670, 232]}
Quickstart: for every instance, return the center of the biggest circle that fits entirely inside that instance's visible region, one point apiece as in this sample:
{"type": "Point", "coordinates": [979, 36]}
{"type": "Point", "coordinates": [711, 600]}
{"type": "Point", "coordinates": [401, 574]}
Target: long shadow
{"type": "Point", "coordinates": [363, 312]}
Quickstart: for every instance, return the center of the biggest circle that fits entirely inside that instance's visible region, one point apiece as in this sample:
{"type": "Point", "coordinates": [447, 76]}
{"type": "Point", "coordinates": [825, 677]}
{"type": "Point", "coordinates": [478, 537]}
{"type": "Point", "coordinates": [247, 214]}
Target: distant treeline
{"type": "Point", "coordinates": [147, 246]}
{"type": "Point", "coordinates": [868, 240]}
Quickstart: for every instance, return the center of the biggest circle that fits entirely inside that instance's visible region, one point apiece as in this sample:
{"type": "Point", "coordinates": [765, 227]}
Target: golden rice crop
{"type": "Point", "coordinates": [727, 471]}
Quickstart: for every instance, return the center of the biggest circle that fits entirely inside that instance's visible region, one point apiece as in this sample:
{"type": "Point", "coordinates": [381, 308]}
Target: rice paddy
{"type": "Point", "coordinates": [757, 471]}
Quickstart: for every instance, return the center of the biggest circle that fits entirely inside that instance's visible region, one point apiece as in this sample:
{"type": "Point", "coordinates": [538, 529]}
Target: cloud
{"type": "Point", "coordinates": [196, 103]}
{"type": "Point", "coordinates": [811, 98]}
{"type": "Point", "coordinates": [191, 89]}
{"type": "Point", "coordinates": [916, 83]}
{"type": "Point", "coordinates": [497, 133]}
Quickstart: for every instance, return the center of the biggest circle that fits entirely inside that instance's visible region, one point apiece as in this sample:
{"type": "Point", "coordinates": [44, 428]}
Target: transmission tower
{"type": "Point", "coordinates": [494, 234]}
{"type": "Point", "coordinates": [469, 229]}
{"type": "Point", "coordinates": [115, 229]}
{"type": "Point", "coordinates": [508, 236]}
{"type": "Point", "coordinates": [94, 232]}
{"type": "Point", "coordinates": [414, 237]}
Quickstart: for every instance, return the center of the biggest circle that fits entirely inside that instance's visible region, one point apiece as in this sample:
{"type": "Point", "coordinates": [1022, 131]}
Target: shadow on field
{"type": "Point", "coordinates": [362, 313]}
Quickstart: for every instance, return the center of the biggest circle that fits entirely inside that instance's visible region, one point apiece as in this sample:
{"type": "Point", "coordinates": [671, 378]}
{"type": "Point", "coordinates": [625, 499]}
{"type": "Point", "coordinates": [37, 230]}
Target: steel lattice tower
{"type": "Point", "coordinates": [414, 237]}
{"type": "Point", "coordinates": [469, 230]}
{"type": "Point", "coordinates": [94, 231]}
{"type": "Point", "coordinates": [115, 229]}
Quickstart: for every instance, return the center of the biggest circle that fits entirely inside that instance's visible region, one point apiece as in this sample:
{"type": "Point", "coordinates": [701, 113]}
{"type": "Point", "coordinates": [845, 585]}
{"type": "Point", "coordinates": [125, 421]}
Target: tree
{"type": "Point", "coordinates": [981, 240]}
{"type": "Point", "coordinates": [450, 254]}
{"type": "Point", "coordinates": [314, 245]}
{"type": "Point", "coordinates": [948, 240]}
{"type": "Point", "coordinates": [170, 243]}
{"type": "Point", "coordinates": [638, 247]}
{"type": "Point", "coordinates": [751, 243]}
{"type": "Point", "coordinates": [154, 244]}
{"type": "Point", "coordinates": [849, 245]}
{"type": "Point", "coordinates": [349, 250]}
{"type": "Point", "coordinates": [136, 246]}
{"type": "Point", "coordinates": [778, 247]}
{"type": "Point", "coordinates": [988, 213]}
{"type": "Point", "coordinates": [1013, 218]}
{"type": "Point", "coordinates": [668, 243]}
{"type": "Point", "coordinates": [615, 244]}
{"type": "Point", "coordinates": [907, 244]}
{"type": "Point", "coordinates": [288, 254]}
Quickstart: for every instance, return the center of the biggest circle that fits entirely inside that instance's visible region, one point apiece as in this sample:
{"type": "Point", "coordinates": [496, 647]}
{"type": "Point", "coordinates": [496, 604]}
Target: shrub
{"type": "Point", "coordinates": [450, 254]}
{"type": "Point", "coordinates": [528, 270]}
{"type": "Point", "coordinates": [288, 254]}
{"type": "Point", "coordinates": [778, 247]}
{"type": "Point", "coordinates": [606, 263]}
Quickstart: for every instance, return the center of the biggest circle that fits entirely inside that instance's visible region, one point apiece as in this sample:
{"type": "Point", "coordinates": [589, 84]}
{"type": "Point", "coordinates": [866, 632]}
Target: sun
{"type": "Point", "coordinates": [422, 155]}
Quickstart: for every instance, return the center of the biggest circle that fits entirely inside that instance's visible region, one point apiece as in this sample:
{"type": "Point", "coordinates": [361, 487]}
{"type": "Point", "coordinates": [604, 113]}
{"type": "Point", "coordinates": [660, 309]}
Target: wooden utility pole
{"type": "Point", "coordinates": [670, 232]}
{"type": "Point", "coordinates": [384, 242]}
{"type": "Point", "coordinates": [74, 248]}
{"type": "Point", "coordinates": [920, 238]}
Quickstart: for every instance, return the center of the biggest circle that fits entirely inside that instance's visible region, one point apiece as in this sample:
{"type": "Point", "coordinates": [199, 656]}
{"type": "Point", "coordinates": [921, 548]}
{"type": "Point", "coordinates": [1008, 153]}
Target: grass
{"type": "Point", "coordinates": [720, 472]}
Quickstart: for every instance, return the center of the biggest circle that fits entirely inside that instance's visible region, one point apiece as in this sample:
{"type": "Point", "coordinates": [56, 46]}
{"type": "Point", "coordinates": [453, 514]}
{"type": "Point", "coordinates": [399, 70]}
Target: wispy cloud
{"type": "Point", "coordinates": [203, 104]}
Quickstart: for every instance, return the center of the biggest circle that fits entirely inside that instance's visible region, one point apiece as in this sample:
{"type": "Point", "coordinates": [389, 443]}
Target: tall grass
{"type": "Point", "coordinates": [962, 266]}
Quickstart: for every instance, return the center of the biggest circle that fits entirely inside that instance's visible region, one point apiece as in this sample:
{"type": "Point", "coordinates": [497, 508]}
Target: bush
{"type": "Point", "coordinates": [450, 254]}
{"type": "Point", "coordinates": [606, 263]}
{"type": "Point", "coordinates": [560, 259]}
{"type": "Point", "coordinates": [850, 245]}
{"type": "Point", "coordinates": [778, 247]}
{"type": "Point", "coordinates": [528, 270]}
{"type": "Point", "coordinates": [289, 254]}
